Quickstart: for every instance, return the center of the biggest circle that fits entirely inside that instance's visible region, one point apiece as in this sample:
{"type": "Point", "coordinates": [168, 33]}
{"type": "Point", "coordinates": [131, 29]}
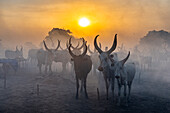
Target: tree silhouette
{"type": "Point", "coordinates": [155, 42]}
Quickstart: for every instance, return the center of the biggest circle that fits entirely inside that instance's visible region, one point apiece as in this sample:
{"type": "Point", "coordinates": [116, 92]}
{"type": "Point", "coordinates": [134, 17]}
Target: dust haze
{"type": "Point", "coordinates": [40, 32]}
{"type": "Point", "coordinates": [25, 90]}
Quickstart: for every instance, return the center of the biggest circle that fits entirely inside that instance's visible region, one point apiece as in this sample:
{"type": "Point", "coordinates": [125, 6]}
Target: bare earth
{"type": "Point", "coordinates": [57, 94]}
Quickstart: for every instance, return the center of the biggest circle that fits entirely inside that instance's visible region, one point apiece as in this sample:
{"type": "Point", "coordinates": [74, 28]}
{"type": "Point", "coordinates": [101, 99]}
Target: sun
{"type": "Point", "coordinates": [84, 22]}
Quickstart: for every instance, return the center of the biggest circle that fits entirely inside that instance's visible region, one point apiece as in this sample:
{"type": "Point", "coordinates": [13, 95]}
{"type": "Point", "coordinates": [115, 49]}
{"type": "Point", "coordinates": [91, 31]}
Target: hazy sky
{"type": "Point", "coordinates": [30, 20]}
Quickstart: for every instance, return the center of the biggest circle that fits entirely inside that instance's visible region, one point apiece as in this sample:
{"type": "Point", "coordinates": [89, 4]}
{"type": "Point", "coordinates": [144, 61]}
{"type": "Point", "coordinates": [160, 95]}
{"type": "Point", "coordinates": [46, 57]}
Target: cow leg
{"type": "Point", "coordinates": [94, 70]}
{"type": "Point", "coordinates": [113, 82]}
{"type": "Point", "coordinates": [64, 66]}
{"type": "Point", "coordinates": [129, 89]}
{"type": "Point", "coordinates": [119, 91]}
{"type": "Point", "coordinates": [81, 90]}
{"type": "Point", "coordinates": [40, 68]}
{"type": "Point", "coordinates": [45, 69]}
{"type": "Point", "coordinates": [125, 93]}
{"type": "Point", "coordinates": [107, 87]}
{"type": "Point", "coordinates": [50, 69]}
{"type": "Point", "coordinates": [85, 89]}
{"type": "Point", "coordinates": [139, 72]}
{"type": "Point", "coordinates": [77, 83]}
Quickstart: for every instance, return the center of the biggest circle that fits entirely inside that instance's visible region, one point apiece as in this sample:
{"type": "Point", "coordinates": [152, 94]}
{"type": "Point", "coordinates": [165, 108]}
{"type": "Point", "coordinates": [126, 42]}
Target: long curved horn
{"type": "Point", "coordinates": [89, 49]}
{"type": "Point", "coordinates": [100, 45]}
{"type": "Point", "coordinates": [124, 60]}
{"type": "Point", "coordinates": [96, 46]}
{"type": "Point", "coordinates": [69, 48]}
{"type": "Point", "coordinates": [67, 45]}
{"type": "Point", "coordinates": [85, 51]}
{"type": "Point", "coordinates": [77, 45]}
{"type": "Point", "coordinates": [82, 44]}
{"type": "Point", "coordinates": [46, 46]}
{"type": "Point", "coordinates": [61, 48]}
{"type": "Point", "coordinates": [71, 44]}
{"type": "Point", "coordinates": [70, 41]}
{"type": "Point", "coordinates": [58, 45]}
{"type": "Point", "coordinates": [113, 46]}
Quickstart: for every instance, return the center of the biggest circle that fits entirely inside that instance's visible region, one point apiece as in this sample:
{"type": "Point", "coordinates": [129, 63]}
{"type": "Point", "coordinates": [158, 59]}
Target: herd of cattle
{"type": "Point", "coordinates": [106, 62]}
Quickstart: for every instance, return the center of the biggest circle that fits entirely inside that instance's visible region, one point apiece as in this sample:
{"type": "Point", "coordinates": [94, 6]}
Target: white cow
{"type": "Point", "coordinates": [105, 64]}
{"type": "Point", "coordinates": [82, 66]}
{"type": "Point", "coordinates": [124, 75]}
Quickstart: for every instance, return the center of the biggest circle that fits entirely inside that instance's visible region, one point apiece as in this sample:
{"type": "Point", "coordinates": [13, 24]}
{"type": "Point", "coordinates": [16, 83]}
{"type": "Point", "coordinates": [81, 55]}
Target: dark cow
{"type": "Point", "coordinates": [77, 50]}
{"type": "Point", "coordinates": [64, 57]}
{"type": "Point", "coordinates": [46, 57]}
{"type": "Point", "coordinates": [82, 66]}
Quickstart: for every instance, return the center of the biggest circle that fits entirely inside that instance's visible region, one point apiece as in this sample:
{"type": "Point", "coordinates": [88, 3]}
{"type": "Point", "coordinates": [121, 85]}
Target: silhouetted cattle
{"type": "Point", "coordinates": [14, 54]}
{"type": "Point", "coordinates": [82, 66]}
{"type": "Point", "coordinates": [46, 57]}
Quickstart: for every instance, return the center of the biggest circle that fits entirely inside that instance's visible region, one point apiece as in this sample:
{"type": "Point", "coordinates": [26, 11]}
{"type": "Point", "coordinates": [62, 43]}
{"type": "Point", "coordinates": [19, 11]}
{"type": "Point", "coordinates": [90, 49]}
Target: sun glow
{"type": "Point", "coordinates": [84, 22]}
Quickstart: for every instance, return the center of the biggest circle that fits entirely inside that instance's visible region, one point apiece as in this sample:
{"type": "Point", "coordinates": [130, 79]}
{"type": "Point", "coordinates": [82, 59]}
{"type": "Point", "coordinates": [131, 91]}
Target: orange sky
{"type": "Point", "coordinates": [30, 20]}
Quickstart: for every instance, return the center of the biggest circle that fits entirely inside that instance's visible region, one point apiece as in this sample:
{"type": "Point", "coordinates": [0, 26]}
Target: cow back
{"type": "Point", "coordinates": [83, 66]}
{"type": "Point", "coordinates": [131, 70]}
{"type": "Point", "coordinates": [10, 54]}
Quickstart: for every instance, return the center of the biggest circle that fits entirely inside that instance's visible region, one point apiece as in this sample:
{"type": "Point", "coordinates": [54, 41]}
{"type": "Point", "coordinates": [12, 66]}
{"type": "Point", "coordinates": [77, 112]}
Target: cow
{"type": "Point", "coordinates": [14, 54]}
{"type": "Point", "coordinates": [32, 55]}
{"type": "Point", "coordinates": [77, 50]}
{"type": "Point", "coordinates": [105, 64]}
{"type": "Point", "coordinates": [46, 57]}
{"type": "Point", "coordinates": [63, 56]}
{"type": "Point", "coordinates": [124, 73]}
{"type": "Point", "coordinates": [82, 66]}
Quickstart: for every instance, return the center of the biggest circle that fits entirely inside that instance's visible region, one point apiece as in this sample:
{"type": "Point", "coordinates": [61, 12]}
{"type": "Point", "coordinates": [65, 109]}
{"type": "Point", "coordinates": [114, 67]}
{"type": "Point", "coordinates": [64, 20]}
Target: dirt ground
{"type": "Point", "coordinates": [57, 94]}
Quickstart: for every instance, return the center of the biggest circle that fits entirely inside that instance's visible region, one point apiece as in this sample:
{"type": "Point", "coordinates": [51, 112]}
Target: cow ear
{"type": "Point", "coordinates": [72, 59]}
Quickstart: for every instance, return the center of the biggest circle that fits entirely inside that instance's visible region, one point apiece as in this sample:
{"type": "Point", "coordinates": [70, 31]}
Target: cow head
{"type": "Point", "coordinates": [105, 56]}
{"type": "Point", "coordinates": [52, 52]}
{"type": "Point", "coordinates": [77, 49]}
{"type": "Point", "coordinates": [118, 66]}
{"type": "Point", "coordinates": [78, 58]}
{"type": "Point", "coordinates": [19, 52]}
